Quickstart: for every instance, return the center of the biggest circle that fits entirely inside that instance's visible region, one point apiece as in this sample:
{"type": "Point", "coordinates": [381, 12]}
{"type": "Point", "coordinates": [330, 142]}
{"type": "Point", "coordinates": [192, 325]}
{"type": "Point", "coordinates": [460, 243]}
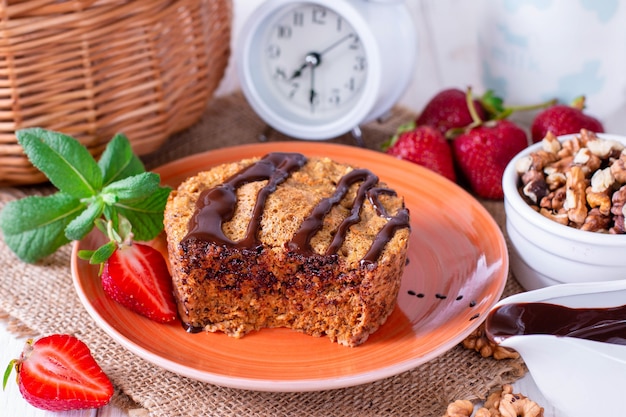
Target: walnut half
{"type": "Point", "coordinates": [580, 185]}
{"type": "Point", "coordinates": [501, 403]}
{"type": "Point", "coordinates": [478, 341]}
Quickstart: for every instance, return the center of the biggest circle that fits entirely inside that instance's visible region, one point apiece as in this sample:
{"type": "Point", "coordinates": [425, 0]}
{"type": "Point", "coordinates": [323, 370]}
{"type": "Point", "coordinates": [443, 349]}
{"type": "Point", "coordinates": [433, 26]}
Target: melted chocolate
{"type": "Point", "coordinates": [217, 205]}
{"type": "Point", "coordinates": [314, 222]}
{"type": "Point", "coordinates": [600, 324]}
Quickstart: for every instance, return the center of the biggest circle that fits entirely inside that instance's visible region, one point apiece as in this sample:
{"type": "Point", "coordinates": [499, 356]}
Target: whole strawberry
{"type": "Point", "coordinates": [562, 119]}
{"type": "Point", "coordinates": [58, 373]}
{"type": "Point", "coordinates": [484, 151]}
{"type": "Point", "coordinates": [425, 146]}
{"type": "Point", "coordinates": [448, 110]}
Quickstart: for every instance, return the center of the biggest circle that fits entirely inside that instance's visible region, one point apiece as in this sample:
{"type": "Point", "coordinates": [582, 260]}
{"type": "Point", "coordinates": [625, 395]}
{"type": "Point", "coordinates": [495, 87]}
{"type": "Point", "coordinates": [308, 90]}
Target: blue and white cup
{"type": "Point", "coordinates": [535, 50]}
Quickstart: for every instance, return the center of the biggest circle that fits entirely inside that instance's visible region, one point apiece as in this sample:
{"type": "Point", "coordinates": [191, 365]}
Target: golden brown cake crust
{"type": "Point", "coordinates": [227, 287]}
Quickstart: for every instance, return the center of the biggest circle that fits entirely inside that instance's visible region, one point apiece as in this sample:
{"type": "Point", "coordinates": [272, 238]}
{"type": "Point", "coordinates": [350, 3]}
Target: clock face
{"type": "Point", "coordinates": [313, 62]}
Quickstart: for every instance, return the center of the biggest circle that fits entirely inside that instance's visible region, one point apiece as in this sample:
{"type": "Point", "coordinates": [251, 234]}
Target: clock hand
{"type": "Point", "coordinates": [338, 42]}
{"type": "Point", "coordinates": [312, 93]}
{"type": "Point", "coordinates": [313, 59]}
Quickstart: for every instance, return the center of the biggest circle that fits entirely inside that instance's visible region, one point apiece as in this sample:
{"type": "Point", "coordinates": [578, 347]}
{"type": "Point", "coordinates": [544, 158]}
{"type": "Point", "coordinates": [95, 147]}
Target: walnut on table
{"type": "Point", "coordinates": [501, 403]}
{"type": "Point", "coordinates": [478, 341]}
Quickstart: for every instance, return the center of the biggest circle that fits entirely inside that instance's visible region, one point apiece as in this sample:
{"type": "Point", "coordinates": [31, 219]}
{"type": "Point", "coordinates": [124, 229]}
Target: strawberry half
{"type": "Point", "coordinates": [136, 276]}
{"type": "Point", "coordinates": [58, 373]}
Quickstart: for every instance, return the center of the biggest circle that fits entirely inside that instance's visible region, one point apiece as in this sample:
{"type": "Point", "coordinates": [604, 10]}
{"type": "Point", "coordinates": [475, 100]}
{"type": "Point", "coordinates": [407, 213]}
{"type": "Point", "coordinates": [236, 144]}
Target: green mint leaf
{"type": "Point", "coordinates": [118, 160]}
{"type": "Point", "coordinates": [84, 222]}
{"type": "Point", "coordinates": [65, 161]}
{"type": "Point", "coordinates": [146, 214]}
{"type": "Point", "coordinates": [130, 188]}
{"type": "Point", "coordinates": [33, 227]}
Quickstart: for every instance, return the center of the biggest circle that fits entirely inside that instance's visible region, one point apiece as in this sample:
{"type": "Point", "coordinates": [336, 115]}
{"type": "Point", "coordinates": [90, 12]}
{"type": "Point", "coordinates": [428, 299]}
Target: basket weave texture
{"type": "Point", "coordinates": [94, 68]}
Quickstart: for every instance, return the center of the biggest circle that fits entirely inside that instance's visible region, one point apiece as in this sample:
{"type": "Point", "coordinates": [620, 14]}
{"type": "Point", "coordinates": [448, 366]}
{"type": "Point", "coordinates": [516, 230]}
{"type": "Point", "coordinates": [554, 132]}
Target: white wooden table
{"type": "Point", "coordinates": [13, 405]}
{"type": "Point", "coordinates": [447, 58]}
{"type": "Point", "coordinates": [11, 402]}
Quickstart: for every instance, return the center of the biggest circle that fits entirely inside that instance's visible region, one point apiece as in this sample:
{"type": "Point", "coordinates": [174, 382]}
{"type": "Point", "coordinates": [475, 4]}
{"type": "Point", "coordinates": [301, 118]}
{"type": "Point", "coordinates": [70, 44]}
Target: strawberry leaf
{"type": "Point", "coordinates": [7, 373]}
{"type": "Point", "coordinates": [406, 127]}
{"type": "Point", "coordinates": [118, 160]}
{"type": "Point", "coordinates": [65, 161]}
{"type": "Point", "coordinates": [493, 105]}
{"type": "Point", "coordinates": [34, 226]}
{"type": "Point", "coordinates": [103, 253]}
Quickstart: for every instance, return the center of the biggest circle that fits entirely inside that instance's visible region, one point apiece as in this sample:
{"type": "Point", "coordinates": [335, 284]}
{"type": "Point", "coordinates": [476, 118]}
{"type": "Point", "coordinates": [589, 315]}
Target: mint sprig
{"type": "Point", "coordinates": [115, 186]}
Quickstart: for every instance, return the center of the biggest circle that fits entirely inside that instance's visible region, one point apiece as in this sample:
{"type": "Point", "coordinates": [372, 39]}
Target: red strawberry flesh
{"type": "Point", "coordinates": [137, 277]}
{"type": "Point", "coordinates": [58, 373]}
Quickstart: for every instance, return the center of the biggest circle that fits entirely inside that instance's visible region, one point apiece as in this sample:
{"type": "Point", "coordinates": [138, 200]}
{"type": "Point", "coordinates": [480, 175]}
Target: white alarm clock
{"type": "Point", "coordinates": [317, 69]}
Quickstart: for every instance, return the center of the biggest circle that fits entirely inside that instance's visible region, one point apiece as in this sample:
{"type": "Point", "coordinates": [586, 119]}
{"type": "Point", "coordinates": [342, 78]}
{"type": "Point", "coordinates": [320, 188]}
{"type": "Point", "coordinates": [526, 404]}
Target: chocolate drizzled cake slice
{"type": "Point", "coordinates": [285, 241]}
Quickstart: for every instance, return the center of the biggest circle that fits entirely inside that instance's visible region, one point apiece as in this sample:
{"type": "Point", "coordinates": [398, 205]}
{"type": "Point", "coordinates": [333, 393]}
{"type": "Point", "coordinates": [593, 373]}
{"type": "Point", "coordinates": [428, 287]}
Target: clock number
{"type": "Point", "coordinates": [294, 89]}
{"type": "Point", "coordinates": [355, 44]}
{"type": "Point", "coordinates": [298, 18]}
{"type": "Point", "coordinates": [339, 23]}
{"type": "Point", "coordinates": [283, 31]}
{"type": "Point", "coordinates": [360, 63]}
{"type": "Point", "coordinates": [273, 51]}
{"type": "Point", "coordinates": [280, 74]}
{"type": "Point", "coordinates": [335, 97]}
{"type": "Point", "coordinates": [350, 85]}
{"type": "Point", "coordinates": [319, 16]}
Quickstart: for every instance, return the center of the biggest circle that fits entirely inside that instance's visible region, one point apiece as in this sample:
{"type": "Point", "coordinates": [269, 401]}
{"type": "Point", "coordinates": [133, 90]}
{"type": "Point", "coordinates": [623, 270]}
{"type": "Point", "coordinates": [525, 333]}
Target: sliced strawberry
{"type": "Point", "coordinates": [58, 373]}
{"type": "Point", "coordinates": [137, 277]}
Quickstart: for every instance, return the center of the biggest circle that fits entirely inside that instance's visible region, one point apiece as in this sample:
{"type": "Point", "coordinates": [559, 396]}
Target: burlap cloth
{"type": "Point", "coordinates": [42, 298]}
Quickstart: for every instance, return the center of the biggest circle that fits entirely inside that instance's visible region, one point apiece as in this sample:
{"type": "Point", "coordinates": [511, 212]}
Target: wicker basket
{"type": "Point", "coordinates": [93, 68]}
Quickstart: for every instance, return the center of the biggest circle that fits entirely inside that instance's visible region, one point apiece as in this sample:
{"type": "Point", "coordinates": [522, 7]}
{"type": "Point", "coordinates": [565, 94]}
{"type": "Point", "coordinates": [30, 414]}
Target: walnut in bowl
{"type": "Point", "coordinates": [564, 202]}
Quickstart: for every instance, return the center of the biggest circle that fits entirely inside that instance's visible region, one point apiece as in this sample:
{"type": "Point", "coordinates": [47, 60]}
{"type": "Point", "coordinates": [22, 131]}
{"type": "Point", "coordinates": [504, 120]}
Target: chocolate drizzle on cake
{"type": "Point", "coordinates": [217, 205]}
{"type": "Point", "coordinates": [313, 223]}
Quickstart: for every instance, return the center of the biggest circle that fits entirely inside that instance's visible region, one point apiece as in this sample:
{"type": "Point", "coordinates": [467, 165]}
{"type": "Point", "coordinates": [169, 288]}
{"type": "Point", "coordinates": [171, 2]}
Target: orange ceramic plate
{"type": "Point", "coordinates": [457, 269]}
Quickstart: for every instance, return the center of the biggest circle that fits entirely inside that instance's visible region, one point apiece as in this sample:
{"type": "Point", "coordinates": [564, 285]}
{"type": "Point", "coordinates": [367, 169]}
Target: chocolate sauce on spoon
{"type": "Point", "coordinates": [600, 324]}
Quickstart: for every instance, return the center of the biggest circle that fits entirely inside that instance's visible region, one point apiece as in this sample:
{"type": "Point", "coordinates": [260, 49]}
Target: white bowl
{"type": "Point", "coordinates": [544, 252]}
{"type": "Point", "coordinates": [579, 377]}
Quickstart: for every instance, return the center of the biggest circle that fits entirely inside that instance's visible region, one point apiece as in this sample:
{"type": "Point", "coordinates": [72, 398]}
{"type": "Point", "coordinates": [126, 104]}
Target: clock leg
{"type": "Point", "coordinates": [357, 135]}
{"type": "Point", "coordinates": [264, 136]}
